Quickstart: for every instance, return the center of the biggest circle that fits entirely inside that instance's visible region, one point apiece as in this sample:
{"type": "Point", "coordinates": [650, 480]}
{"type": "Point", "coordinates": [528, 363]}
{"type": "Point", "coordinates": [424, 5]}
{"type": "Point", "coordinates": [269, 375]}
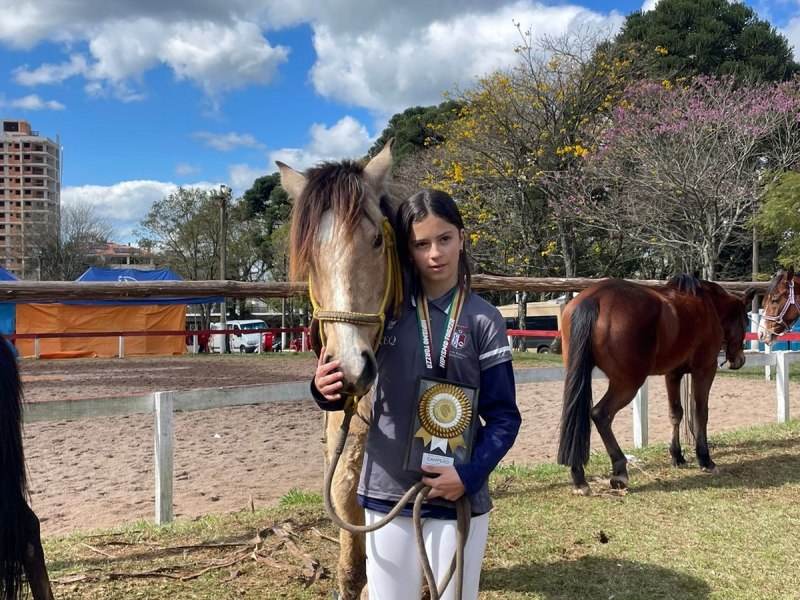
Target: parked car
{"type": "Point", "coordinates": [246, 336]}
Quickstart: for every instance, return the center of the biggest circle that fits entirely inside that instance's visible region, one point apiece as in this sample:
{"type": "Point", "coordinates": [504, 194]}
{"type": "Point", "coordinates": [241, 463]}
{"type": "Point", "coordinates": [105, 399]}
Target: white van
{"type": "Point", "coordinates": [246, 337]}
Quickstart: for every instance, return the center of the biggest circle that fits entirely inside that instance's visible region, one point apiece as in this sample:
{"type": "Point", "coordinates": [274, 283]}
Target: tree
{"type": "Point", "coordinates": [415, 129]}
{"type": "Point", "coordinates": [268, 203]}
{"type": "Point", "coordinates": [711, 37]}
{"type": "Point", "coordinates": [779, 217]}
{"type": "Point", "coordinates": [65, 249]}
{"type": "Point", "coordinates": [681, 168]}
{"type": "Point", "coordinates": [183, 229]}
{"type": "Point", "coordinates": [517, 131]}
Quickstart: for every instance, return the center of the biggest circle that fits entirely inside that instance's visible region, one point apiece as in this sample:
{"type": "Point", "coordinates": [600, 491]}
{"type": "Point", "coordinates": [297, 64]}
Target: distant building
{"type": "Point", "coordinates": [120, 256]}
{"type": "Point", "coordinates": [30, 194]}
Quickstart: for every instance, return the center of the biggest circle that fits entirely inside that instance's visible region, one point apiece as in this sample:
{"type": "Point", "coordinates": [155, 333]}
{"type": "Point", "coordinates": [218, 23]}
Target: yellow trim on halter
{"type": "Point", "coordinates": [394, 287]}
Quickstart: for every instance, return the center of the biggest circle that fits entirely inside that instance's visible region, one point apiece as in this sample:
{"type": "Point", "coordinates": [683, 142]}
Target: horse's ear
{"type": "Point", "coordinates": [378, 168]}
{"type": "Point", "coordinates": [790, 273]}
{"type": "Point", "coordinates": [293, 182]}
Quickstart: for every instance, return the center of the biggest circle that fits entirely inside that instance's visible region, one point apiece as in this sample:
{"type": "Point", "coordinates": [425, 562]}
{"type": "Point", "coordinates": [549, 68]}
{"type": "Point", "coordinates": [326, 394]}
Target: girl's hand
{"type": "Point", "coordinates": [444, 483]}
{"type": "Point", "coordinates": [327, 379]}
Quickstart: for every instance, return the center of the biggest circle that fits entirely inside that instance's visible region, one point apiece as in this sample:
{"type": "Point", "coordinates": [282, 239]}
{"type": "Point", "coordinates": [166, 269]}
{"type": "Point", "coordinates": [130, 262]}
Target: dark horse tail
{"type": "Point", "coordinates": [573, 445]}
{"type": "Point", "coordinates": [13, 483]}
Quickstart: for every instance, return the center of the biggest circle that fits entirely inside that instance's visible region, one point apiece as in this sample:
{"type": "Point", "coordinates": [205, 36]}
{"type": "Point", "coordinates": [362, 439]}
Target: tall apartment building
{"type": "Point", "coordinates": [30, 194]}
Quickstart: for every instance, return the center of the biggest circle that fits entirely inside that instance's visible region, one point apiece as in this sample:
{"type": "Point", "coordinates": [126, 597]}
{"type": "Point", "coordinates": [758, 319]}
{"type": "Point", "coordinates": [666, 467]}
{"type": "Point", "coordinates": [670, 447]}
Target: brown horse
{"type": "Point", "coordinates": [342, 241]}
{"type": "Point", "coordinates": [781, 308]}
{"type": "Point", "coordinates": [20, 542]}
{"type": "Point", "coordinates": [630, 331]}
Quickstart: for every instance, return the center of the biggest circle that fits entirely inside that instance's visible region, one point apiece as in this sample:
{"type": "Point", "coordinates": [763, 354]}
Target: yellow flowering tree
{"type": "Point", "coordinates": [518, 130]}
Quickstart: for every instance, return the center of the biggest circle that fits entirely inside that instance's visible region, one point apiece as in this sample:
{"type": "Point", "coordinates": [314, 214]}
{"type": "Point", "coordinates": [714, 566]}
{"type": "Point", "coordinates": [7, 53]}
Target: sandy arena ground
{"type": "Point", "coordinates": [98, 473]}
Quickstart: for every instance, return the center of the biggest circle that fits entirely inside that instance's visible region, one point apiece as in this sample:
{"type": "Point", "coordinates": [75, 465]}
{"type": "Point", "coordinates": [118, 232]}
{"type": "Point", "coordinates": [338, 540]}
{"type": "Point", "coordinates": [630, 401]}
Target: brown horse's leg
{"type": "Point", "coordinates": [352, 566]}
{"type": "Point", "coordinates": [33, 559]}
{"type": "Point", "coordinates": [701, 386]}
{"type": "Point", "coordinates": [616, 397]}
{"type": "Point", "coordinates": [673, 383]}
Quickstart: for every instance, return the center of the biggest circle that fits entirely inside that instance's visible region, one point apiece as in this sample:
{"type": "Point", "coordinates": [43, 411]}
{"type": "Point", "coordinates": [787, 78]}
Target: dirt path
{"type": "Point", "coordinates": [99, 472]}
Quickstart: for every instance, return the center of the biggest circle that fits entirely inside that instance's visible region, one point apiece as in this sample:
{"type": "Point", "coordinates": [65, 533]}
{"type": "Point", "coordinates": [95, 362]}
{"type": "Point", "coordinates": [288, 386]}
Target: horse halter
{"type": "Point", "coordinates": [790, 301]}
{"type": "Point", "coordinates": [393, 287]}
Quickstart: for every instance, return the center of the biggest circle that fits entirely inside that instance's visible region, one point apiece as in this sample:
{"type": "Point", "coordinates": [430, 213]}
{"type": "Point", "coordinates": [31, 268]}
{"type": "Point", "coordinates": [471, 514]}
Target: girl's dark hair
{"type": "Point", "coordinates": [417, 208]}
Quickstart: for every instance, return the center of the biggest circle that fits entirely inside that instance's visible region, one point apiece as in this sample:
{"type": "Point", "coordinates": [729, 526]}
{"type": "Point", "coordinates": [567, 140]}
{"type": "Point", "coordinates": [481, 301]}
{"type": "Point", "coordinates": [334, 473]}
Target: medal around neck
{"type": "Point", "coordinates": [442, 430]}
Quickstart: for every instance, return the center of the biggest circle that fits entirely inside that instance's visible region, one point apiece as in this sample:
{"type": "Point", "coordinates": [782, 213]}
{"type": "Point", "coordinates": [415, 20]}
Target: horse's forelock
{"type": "Point", "coordinates": [775, 282]}
{"type": "Point", "coordinates": [339, 187]}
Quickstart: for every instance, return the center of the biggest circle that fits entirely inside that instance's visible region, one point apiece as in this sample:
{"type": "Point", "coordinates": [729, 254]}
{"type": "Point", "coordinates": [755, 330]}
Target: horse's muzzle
{"type": "Point", "coordinates": [734, 362]}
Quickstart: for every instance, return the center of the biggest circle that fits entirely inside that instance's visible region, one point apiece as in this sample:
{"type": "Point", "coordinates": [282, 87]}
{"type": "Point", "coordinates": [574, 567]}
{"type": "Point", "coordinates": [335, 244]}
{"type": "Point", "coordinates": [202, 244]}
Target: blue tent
{"type": "Point", "coordinates": [7, 309]}
{"type": "Point", "coordinates": [152, 315]}
{"type": "Point", "coordinates": [100, 274]}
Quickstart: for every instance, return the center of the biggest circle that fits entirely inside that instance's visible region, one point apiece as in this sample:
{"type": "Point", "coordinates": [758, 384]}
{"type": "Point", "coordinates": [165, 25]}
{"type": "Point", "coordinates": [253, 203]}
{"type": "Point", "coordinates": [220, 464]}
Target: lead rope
{"type": "Point", "coordinates": [418, 491]}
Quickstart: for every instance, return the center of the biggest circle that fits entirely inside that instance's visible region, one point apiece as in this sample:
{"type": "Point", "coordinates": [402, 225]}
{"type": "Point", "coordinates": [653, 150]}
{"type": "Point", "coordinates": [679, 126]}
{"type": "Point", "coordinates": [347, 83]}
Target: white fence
{"type": "Point", "coordinates": [164, 404]}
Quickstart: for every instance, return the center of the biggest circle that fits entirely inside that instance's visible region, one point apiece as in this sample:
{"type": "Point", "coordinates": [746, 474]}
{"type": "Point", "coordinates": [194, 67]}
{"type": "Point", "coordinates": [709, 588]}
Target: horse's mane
{"type": "Point", "coordinates": [685, 283]}
{"type": "Point", "coordinates": [338, 186]}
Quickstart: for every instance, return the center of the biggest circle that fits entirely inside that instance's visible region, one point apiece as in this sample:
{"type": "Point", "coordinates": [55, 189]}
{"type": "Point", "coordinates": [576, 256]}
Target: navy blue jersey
{"type": "Point", "coordinates": [479, 356]}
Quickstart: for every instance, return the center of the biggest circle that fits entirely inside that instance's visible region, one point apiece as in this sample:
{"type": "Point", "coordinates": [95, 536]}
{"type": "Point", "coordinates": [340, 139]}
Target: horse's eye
{"type": "Point", "coordinates": [378, 241]}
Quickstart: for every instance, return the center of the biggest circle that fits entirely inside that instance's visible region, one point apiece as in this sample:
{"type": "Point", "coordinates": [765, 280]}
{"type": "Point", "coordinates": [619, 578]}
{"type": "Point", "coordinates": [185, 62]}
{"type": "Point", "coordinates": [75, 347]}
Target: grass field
{"type": "Point", "coordinates": [677, 534]}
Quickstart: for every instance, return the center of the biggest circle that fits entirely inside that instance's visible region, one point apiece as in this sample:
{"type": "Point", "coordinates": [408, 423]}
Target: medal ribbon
{"type": "Point", "coordinates": [424, 321]}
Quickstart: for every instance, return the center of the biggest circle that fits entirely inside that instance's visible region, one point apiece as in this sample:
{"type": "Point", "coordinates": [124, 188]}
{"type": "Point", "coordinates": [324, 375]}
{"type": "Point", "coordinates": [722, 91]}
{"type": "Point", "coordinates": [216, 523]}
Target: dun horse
{"type": "Point", "coordinates": [781, 308]}
{"type": "Point", "coordinates": [20, 543]}
{"type": "Point", "coordinates": [630, 331]}
{"type": "Point", "coordinates": [342, 241]}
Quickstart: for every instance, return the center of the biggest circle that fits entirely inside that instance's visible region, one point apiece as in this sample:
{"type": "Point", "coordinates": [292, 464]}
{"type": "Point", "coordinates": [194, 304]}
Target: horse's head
{"type": "Point", "coordinates": [342, 243]}
{"type": "Point", "coordinates": [732, 312]}
{"type": "Point", "coordinates": [781, 308]}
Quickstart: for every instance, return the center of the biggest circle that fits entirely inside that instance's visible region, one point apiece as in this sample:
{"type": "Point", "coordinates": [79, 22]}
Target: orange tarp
{"type": "Point", "coordinates": [73, 318]}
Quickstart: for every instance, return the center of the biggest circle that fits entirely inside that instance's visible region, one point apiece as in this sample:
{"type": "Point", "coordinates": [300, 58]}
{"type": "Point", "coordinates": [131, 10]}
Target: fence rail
{"type": "Point", "coordinates": [164, 404]}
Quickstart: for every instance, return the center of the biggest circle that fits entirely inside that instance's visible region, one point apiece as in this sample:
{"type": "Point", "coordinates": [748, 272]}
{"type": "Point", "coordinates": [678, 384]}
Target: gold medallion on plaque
{"type": "Point", "coordinates": [445, 413]}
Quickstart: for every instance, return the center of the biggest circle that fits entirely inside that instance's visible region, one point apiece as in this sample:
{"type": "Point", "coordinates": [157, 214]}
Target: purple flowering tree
{"type": "Point", "coordinates": [681, 168]}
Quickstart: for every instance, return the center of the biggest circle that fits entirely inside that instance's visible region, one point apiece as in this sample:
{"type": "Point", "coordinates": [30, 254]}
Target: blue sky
{"type": "Point", "coordinates": [145, 95]}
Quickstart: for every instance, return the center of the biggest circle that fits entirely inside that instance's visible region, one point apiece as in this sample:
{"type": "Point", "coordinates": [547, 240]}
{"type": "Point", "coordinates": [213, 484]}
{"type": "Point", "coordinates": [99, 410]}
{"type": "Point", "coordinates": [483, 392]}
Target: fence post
{"type": "Point", "coordinates": [640, 417]}
{"type": "Point", "coordinates": [782, 385]}
{"type": "Point", "coordinates": [36, 347]}
{"type": "Point", "coordinates": [768, 368]}
{"type": "Point", "coordinates": [163, 456]}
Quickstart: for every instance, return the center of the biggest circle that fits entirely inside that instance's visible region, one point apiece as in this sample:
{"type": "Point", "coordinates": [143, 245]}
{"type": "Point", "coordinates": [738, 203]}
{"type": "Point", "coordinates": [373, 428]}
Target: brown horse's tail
{"type": "Point", "coordinates": [13, 484]}
{"type": "Point", "coordinates": [573, 445]}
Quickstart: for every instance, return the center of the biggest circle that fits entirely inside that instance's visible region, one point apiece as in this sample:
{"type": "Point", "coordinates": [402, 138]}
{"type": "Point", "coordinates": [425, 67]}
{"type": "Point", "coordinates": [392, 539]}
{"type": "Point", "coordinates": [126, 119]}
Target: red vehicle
{"type": "Point", "coordinates": [268, 340]}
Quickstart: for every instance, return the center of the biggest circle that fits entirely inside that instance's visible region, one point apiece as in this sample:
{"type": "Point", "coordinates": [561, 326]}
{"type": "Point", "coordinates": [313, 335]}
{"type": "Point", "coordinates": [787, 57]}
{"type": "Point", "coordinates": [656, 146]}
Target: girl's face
{"type": "Point", "coordinates": [435, 246]}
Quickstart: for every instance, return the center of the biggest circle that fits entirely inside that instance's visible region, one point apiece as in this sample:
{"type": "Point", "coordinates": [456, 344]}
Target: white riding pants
{"type": "Point", "coordinates": [394, 571]}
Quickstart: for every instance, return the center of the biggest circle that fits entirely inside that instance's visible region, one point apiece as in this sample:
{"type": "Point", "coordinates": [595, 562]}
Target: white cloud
{"type": "Point", "coordinates": [242, 177]}
{"type": "Point", "coordinates": [124, 204]}
{"type": "Point", "coordinates": [386, 68]}
{"type": "Point", "coordinates": [346, 139]}
{"type": "Point", "coordinates": [48, 74]}
{"type": "Point", "coordinates": [31, 102]}
{"type": "Point", "coordinates": [215, 56]}
{"type": "Point", "coordinates": [792, 33]}
{"type": "Point", "coordinates": [378, 54]}
{"type": "Point", "coordinates": [225, 142]}
{"type": "Point", "coordinates": [649, 5]}
{"type": "Point", "coordinates": [184, 169]}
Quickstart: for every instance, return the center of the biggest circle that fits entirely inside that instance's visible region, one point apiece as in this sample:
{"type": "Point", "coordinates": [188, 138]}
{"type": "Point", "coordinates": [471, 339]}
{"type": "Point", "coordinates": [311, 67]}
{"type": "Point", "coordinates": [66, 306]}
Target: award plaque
{"type": "Point", "coordinates": [442, 424]}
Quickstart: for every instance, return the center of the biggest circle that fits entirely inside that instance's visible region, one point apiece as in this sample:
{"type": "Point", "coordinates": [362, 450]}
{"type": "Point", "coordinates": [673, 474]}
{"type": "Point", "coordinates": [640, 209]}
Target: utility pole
{"type": "Point", "coordinates": [224, 194]}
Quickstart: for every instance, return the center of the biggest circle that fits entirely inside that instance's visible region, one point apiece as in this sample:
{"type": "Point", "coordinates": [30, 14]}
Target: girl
{"type": "Point", "coordinates": [447, 333]}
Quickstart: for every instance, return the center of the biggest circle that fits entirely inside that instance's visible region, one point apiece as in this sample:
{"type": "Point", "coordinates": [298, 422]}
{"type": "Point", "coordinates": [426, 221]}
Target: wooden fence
{"type": "Point", "coordinates": [164, 404]}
